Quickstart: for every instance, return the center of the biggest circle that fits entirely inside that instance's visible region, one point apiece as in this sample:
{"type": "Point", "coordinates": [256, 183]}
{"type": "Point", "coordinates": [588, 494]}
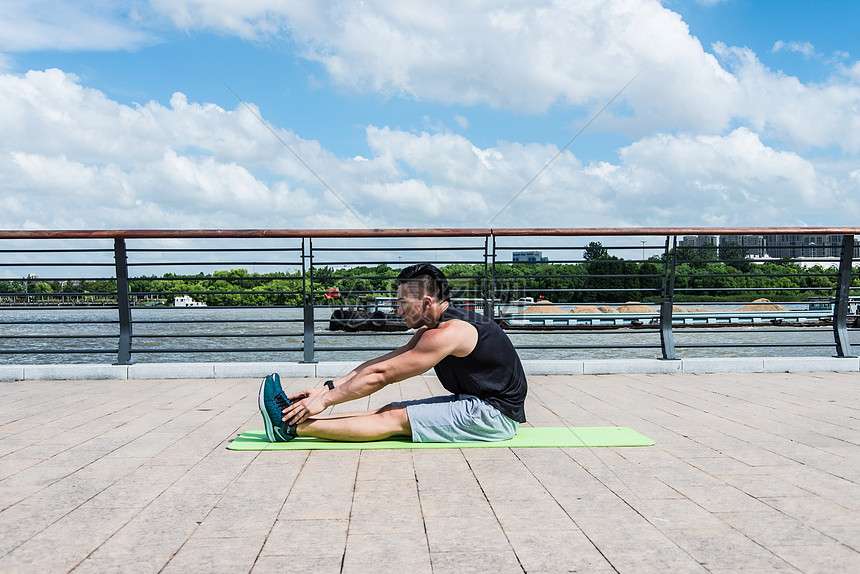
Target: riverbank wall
{"type": "Point", "coordinates": [162, 371]}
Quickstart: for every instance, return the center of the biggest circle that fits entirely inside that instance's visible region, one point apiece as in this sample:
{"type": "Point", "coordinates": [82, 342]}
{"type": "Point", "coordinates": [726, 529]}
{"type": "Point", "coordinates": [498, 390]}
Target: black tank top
{"type": "Point", "coordinates": [492, 371]}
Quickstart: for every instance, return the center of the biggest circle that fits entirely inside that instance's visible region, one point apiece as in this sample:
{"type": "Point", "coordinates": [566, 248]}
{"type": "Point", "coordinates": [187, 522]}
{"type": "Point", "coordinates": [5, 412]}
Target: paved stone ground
{"type": "Point", "coordinates": [753, 472]}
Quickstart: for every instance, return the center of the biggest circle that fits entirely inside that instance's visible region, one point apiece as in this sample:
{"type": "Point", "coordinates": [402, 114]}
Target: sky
{"type": "Point", "coordinates": [187, 114]}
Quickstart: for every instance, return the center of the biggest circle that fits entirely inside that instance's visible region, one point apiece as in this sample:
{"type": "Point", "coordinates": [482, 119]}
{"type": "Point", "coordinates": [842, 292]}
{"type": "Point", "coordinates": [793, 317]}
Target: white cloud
{"type": "Point", "coordinates": [731, 180]}
{"type": "Point", "coordinates": [72, 157]}
{"type": "Point", "coordinates": [663, 180]}
{"type": "Point", "coordinates": [249, 19]}
{"type": "Point", "coordinates": [806, 115]}
{"type": "Point", "coordinates": [806, 49]}
{"type": "Point", "coordinates": [713, 130]}
{"type": "Point", "coordinates": [28, 25]}
{"type": "Point", "coordinates": [671, 180]}
{"type": "Point", "coordinates": [525, 56]}
{"type": "Point", "coordinates": [529, 56]}
{"type": "Point", "coordinates": [414, 200]}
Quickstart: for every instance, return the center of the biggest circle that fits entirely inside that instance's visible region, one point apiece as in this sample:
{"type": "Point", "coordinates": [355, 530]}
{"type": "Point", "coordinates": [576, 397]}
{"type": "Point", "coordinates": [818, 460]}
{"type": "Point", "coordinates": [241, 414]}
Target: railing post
{"type": "Point", "coordinates": [667, 299]}
{"type": "Point", "coordinates": [489, 276]}
{"type": "Point", "coordinates": [843, 293]}
{"type": "Point", "coordinates": [123, 306]}
{"type": "Point", "coordinates": [308, 301]}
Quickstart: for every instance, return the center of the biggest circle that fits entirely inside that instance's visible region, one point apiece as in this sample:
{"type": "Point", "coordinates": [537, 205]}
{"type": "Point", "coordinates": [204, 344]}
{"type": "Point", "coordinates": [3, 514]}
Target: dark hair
{"type": "Point", "coordinates": [428, 279]}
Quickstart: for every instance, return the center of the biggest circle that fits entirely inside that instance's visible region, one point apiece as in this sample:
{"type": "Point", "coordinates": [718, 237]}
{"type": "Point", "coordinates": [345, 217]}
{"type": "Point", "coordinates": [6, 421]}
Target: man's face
{"type": "Point", "coordinates": [410, 305]}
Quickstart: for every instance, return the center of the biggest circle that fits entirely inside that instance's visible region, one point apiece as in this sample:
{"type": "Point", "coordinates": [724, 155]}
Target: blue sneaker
{"type": "Point", "coordinates": [272, 402]}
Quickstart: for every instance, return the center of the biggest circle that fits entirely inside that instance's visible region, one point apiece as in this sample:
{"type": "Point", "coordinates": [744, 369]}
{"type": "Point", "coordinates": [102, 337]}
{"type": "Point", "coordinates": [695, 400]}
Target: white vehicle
{"type": "Point", "coordinates": [187, 301]}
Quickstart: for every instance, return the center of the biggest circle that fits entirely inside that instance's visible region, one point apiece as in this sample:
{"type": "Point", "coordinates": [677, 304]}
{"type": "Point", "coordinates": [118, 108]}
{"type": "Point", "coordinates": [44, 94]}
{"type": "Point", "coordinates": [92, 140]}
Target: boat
{"type": "Point", "coordinates": [820, 303]}
{"type": "Point", "coordinates": [388, 305]}
{"type": "Point", "coordinates": [380, 314]}
{"type": "Point", "coordinates": [631, 316]}
{"type": "Point", "coordinates": [826, 304]}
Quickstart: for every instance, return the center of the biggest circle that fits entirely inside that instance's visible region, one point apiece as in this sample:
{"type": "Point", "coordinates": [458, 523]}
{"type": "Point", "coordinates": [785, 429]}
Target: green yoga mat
{"type": "Point", "coordinates": [526, 437]}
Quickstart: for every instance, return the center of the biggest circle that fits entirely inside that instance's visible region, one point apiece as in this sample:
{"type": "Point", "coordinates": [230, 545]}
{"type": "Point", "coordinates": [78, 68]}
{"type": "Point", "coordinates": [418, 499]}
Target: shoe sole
{"type": "Point", "coordinates": [267, 422]}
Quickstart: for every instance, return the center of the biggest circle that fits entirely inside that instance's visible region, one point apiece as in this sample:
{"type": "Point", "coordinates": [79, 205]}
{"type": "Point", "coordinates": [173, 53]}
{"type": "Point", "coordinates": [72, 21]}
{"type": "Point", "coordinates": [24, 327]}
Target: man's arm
{"type": "Point", "coordinates": [367, 364]}
{"type": "Point", "coordinates": [423, 352]}
{"type": "Point", "coordinates": [390, 355]}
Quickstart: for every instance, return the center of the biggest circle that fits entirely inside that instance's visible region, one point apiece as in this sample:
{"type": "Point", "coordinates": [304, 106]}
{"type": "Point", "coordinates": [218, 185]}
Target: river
{"type": "Point", "coordinates": [227, 330]}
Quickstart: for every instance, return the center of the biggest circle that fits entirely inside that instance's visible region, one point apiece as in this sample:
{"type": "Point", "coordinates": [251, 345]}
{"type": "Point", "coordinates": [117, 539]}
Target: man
{"type": "Point", "coordinates": [472, 356]}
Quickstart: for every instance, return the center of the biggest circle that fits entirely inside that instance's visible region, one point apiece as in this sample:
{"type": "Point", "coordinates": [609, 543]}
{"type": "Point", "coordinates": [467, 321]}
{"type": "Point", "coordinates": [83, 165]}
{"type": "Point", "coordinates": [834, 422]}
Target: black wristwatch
{"type": "Point", "coordinates": [330, 384]}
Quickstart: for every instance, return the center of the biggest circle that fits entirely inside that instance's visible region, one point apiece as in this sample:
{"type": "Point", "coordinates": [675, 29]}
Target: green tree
{"type": "Point", "coordinates": [697, 257]}
{"type": "Point", "coordinates": [595, 251]}
{"type": "Point", "coordinates": [40, 287]}
{"type": "Point", "coordinates": [11, 287]}
{"type": "Point", "coordinates": [735, 255]}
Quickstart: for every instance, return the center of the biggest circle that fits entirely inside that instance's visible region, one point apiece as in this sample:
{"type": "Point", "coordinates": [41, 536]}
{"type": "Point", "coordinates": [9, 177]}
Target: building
{"type": "Point", "coordinates": [777, 246]}
{"type": "Point", "coordinates": [790, 246]}
{"type": "Point", "coordinates": [698, 241]}
{"type": "Point", "coordinates": [529, 257]}
{"type": "Point", "coordinates": [810, 246]}
{"type": "Point", "coordinates": [755, 244]}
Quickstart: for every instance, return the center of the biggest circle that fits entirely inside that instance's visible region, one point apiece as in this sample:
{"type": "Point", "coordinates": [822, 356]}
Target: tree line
{"type": "Point", "coordinates": [701, 274]}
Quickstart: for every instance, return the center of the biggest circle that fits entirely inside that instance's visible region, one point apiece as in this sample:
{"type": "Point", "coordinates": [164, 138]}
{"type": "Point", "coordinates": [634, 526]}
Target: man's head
{"type": "Point", "coordinates": [421, 291]}
{"type": "Point", "coordinates": [425, 279]}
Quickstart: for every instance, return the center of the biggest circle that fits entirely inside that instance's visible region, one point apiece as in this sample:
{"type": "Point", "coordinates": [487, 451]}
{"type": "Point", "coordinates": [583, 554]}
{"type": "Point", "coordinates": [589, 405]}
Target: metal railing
{"type": "Point", "coordinates": [308, 295]}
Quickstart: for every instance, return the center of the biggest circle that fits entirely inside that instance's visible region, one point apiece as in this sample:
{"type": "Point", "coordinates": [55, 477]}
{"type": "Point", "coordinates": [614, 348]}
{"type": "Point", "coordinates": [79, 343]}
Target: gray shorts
{"type": "Point", "coordinates": [457, 418]}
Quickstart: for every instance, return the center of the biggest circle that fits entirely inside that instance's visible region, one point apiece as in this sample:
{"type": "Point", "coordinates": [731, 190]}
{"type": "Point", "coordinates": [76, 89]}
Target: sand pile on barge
{"type": "Point", "coordinates": [585, 309]}
{"type": "Point", "coordinates": [761, 305]}
{"type": "Point", "coordinates": [676, 309]}
{"type": "Point", "coordinates": [543, 307]}
{"type": "Point", "coordinates": [635, 307]}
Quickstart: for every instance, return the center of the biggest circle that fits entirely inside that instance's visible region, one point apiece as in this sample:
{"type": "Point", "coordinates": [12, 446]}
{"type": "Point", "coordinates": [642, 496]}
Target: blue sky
{"type": "Point", "coordinates": [428, 114]}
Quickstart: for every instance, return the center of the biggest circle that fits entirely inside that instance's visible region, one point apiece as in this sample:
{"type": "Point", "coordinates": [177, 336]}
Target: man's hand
{"type": "Point", "coordinates": [305, 404]}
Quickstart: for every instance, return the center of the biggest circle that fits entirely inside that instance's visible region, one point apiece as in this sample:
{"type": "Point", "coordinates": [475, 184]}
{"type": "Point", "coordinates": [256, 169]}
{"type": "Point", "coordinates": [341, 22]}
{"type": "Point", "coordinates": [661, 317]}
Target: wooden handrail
{"type": "Point", "coordinates": [417, 232]}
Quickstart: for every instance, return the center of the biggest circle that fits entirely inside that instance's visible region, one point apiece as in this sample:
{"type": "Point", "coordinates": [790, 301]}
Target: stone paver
{"type": "Point", "coordinates": [757, 472]}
